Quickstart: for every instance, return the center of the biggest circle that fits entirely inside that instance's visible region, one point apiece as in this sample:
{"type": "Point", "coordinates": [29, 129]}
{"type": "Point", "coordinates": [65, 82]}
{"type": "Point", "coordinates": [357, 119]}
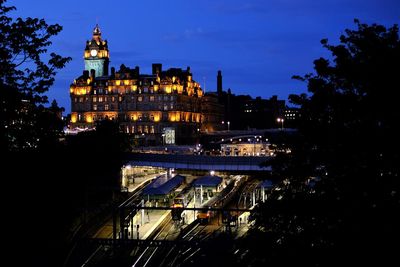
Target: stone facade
{"type": "Point", "coordinates": [163, 107]}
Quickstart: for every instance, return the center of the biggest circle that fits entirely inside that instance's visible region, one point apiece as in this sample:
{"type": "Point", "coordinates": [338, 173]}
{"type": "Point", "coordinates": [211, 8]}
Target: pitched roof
{"type": "Point", "coordinates": [162, 185]}
{"type": "Point", "coordinates": [208, 180]}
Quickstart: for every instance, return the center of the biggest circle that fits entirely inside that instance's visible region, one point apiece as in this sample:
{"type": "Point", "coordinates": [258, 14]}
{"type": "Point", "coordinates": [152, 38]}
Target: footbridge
{"type": "Point", "coordinates": [199, 162]}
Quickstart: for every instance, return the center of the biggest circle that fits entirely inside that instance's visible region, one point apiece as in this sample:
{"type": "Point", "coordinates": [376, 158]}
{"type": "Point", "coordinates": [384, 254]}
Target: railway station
{"type": "Point", "coordinates": [161, 191]}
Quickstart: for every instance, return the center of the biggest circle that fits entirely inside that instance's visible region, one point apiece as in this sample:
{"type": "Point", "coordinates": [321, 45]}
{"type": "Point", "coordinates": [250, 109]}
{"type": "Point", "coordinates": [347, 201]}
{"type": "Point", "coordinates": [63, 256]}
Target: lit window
{"type": "Point", "coordinates": [151, 98]}
{"type": "Point", "coordinates": [113, 99]}
{"type": "Point", "coordinates": [100, 99]}
{"type": "Point", "coordinates": [133, 129]}
{"type": "Point", "coordinates": [140, 99]}
{"type": "Point", "coordinates": [120, 98]}
{"type": "Point", "coordinates": [94, 107]}
{"type": "Point", "coordinates": [106, 107]}
{"type": "Point", "coordinates": [94, 92]}
{"type": "Point", "coordinates": [81, 99]}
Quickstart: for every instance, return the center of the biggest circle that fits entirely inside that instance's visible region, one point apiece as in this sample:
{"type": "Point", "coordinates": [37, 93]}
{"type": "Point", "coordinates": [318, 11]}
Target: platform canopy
{"type": "Point", "coordinates": [207, 181]}
{"type": "Point", "coordinates": [163, 188]}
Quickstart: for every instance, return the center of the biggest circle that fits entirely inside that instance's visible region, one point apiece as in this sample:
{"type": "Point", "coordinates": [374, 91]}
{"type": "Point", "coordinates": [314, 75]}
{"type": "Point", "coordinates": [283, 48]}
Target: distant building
{"type": "Point", "coordinates": [292, 116]}
{"type": "Point", "coordinates": [164, 107]}
{"type": "Point", "coordinates": [212, 113]}
{"type": "Point", "coordinates": [242, 112]}
{"type": "Point", "coordinates": [256, 112]}
{"type": "Point", "coordinates": [161, 107]}
{"type": "Point", "coordinates": [245, 145]}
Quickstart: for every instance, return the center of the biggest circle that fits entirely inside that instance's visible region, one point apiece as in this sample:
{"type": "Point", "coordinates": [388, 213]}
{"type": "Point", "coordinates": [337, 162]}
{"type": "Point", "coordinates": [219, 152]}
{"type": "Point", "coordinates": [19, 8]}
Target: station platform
{"type": "Point", "coordinates": [143, 226]}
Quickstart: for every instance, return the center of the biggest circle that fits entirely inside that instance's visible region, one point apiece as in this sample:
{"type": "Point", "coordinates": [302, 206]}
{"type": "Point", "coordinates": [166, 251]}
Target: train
{"type": "Point", "coordinates": [204, 215]}
{"type": "Point", "coordinates": [183, 198]}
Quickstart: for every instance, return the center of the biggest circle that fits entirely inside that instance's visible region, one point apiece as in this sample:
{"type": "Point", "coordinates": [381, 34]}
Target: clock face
{"type": "Point", "coordinates": [93, 53]}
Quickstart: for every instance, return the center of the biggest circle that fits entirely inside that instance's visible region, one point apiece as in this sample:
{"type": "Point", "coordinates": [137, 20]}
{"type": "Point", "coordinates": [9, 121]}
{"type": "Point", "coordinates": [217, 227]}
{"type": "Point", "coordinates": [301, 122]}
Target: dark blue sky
{"type": "Point", "coordinates": [257, 44]}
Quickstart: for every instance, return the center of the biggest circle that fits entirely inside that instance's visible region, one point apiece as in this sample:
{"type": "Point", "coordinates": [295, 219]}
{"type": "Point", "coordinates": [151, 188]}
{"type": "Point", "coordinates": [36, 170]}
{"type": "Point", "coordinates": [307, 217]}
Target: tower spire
{"type": "Point", "coordinates": [97, 33]}
{"type": "Point", "coordinates": [96, 53]}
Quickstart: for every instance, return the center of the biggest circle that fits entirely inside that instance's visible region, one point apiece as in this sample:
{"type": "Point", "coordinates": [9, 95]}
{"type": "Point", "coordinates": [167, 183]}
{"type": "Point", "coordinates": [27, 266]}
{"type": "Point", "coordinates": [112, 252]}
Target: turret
{"type": "Point", "coordinates": [96, 54]}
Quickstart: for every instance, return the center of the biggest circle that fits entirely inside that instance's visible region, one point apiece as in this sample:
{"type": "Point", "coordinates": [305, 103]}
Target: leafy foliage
{"type": "Point", "coordinates": [24, 78]}
{"type": "Point", "coordinates": [340, 187]}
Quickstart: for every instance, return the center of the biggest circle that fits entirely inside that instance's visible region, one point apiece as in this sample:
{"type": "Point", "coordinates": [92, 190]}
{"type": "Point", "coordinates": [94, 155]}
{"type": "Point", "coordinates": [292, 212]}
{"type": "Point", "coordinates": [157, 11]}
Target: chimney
{"type": "Point", "coordinates": [112, 72]}
{"type": "Point", "coordinates": [137, 70]}
{"type": "Point", "coordinates": [219, 83]}
{"type": "Point", "coordinates": [157, 67]}
{"type": "Point", "coordinates": [86, 74]}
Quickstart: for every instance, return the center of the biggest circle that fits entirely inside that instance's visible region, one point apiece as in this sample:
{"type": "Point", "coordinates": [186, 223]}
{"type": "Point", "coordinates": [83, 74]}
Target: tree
{"type": "Point", "coordinates": [352, 102]}
{"type": "Point", "coordinates": [24, 78]}
{"type": "Point", "coordinates": [350, 153]}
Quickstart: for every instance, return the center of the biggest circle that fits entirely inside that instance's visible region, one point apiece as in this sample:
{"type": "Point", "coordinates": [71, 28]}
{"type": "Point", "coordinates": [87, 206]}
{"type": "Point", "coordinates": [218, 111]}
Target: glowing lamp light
{"type": "Point", "coordinates": [73, 118]}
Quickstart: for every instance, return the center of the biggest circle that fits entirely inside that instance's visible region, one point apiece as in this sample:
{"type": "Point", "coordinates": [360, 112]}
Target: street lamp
{"type": "Point", "coordinates": [228, 123]}
{"type": "Point", "coordinates": [281, 121]}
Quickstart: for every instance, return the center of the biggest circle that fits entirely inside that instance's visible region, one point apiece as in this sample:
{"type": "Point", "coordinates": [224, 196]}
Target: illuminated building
{"type": "Point", "coordinates": [163, 107]}
{"type": "Point", "coordinates": [242, 112]}
{"type": "Point", "coordinates": [212, 113]}
{"type": "Point", "coordinates": [292, 116]}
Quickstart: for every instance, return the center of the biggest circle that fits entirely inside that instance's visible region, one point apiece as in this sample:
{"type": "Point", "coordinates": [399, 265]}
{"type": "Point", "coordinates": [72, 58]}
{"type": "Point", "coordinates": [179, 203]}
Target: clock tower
{"type": "Point", "coordinates": [97, 56]}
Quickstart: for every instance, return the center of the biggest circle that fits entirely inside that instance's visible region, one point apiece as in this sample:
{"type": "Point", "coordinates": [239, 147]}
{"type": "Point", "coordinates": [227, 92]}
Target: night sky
{"type": "Point", "coordinates": [257, 44]}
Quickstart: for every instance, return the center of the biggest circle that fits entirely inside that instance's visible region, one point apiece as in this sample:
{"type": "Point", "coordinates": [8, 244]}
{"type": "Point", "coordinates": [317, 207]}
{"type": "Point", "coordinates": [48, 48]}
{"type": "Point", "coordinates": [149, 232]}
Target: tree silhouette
{"type": "Point", "coordinates": [340, 189]}
{"type": "Point", "coordinates": [24, 78]}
